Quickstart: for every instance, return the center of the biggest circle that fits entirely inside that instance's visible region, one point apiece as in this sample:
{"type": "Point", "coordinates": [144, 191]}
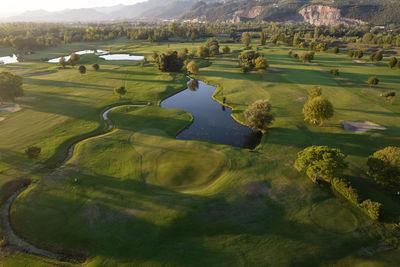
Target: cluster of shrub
{"type": "Point", "coordinates": [321, 163]}
{"type": "Point", "coordinates": [394, 62]}
{"type": "Point", "coordinates": [305, 56]}
{"type": "Point", "coordinates": [252, 60]}
{"type": "Point", "coordinates": [174, 61]}
{"type": "Point", "coordinates": [356, 54]}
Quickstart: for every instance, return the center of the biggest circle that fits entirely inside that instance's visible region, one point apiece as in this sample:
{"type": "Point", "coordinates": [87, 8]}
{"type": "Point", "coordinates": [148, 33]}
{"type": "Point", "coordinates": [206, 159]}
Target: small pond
{"type": "Point", "coordinates": [83, 52]}
{"type": "Point", "coordinates": [9, 60]}
{"type": "Point", "coordinates": [121, 57]}
{"type": "Point", "coordinates": [212, 121]}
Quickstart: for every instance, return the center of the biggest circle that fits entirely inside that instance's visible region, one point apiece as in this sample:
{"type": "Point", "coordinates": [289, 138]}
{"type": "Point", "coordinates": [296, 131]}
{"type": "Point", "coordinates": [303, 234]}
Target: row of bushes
{"type": "Point", "coordinates": [371, 208]}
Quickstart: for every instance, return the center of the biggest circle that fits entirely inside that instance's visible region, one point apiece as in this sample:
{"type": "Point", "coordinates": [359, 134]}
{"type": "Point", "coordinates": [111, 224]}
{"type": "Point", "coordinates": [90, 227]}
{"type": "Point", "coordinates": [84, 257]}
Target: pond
{"type": "Point", "coordinates": [121, 57]}
{"type": "Point", "coordinates": [83, 52]}
{"type": "Point", "coordinates": [9, 60]}
{"type": "Point", "coordinates": [212, 121]}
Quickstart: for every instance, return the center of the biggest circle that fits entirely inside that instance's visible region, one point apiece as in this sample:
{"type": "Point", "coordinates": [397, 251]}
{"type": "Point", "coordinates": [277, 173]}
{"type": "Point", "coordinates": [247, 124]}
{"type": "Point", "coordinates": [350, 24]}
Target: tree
{"type": "Point", "coordinates": [378, 56]}
{"type": "Point", "coordinates": [335, 72]}
{"type": "Point", "coordinates": [351, 53]}
{"type": "Point", "coordinates": [169, 62]}
{"type": "Point", "coordinates": [226, 50]}
{"type": "Point", "coordinates": [182, 55]}
{"type": "Point", "coordinates": [252, 59]}
{"type": "Point", "coordinates": [258, 115]}
{"type": "Point", "coordinates": [10, 86]}
{"type": "Point", "coordinates": [315, 91]}
{"type": "Point", "coordinates": [213, 46]}
{"type": "Point", "coordinates": [82, 69]}
{"type": "Point", "coordinates": [62, 62]}
{"type": "Point", "coordinates": [392, 62]}
{"type": "Point", "coordinates": [317, 110]}
{"type": "Point", "coordinates": [96, 66]}
{"type": "Point", "coordinates": [263, 37]}
{"type": "Point", "coordinates": [261, 63]}
{"type": "Point", "coordinates": [33, 152]}
{"type": "Point", "coordinates": [336, 50]}
{"type": "Point", "coordinates": [246, 39]}
{"type": "Point", "coordinates": [384, 167]}
{"type": "Point", "coordinates": [373, 81]}
{"type": "Point", "coordinates": [74, 59]}
{"type": "Point", "coordinates": [307, 56]}
{"type": "Point", "coordinates": [120, 91]}
{"type": "Point", "coordinates": [192, 67]}
{"type": "Point", "coordinates": [371, 57]}
{"type": "Point", "coordinates": [320, 163]}
{"type": "Point", "coordinates": [359, 54]}
{"type": "Point", "coordinates": [203, 52]}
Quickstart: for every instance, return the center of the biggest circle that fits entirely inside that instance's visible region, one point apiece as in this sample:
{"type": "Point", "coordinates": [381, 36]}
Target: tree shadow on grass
{"type": "Point", "coordinates": [54, 83]}
{"type": "Point", "coordinates": [351, 144]}
{"type": "Point", "coordinates": [169, 227]}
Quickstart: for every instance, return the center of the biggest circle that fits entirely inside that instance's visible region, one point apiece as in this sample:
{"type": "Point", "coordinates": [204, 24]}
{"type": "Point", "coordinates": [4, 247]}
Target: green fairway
{"type": "Point", "coordinates": [137, 196]}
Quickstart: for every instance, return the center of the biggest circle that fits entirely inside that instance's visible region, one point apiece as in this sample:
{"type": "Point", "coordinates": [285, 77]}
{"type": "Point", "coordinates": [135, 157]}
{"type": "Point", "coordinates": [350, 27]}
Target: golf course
{"type": "Point", "coordinates": [114, 186]}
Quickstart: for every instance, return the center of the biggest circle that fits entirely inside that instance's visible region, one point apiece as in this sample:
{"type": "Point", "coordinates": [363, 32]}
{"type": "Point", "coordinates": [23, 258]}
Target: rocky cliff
{"type": "Point", "coordinates": [324, 15]}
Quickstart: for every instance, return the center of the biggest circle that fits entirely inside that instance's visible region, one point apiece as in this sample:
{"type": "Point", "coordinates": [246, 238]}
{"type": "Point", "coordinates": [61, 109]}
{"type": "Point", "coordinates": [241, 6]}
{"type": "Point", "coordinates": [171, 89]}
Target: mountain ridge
{"type": "Point", "coordinates": [317, 12]}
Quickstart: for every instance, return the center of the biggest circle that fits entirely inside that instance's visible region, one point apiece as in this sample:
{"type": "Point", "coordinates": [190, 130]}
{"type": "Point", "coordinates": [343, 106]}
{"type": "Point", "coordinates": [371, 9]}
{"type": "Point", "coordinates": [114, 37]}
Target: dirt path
{"type": "Point", "coordinates": [17, 242]}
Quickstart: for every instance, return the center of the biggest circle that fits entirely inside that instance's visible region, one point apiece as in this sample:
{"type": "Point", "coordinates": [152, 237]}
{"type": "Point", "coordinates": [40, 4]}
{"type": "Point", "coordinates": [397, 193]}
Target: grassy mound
{"type": "Point", "coordinates": [188, 167]}
{"type": "Point", "coordinates": [332, 217]}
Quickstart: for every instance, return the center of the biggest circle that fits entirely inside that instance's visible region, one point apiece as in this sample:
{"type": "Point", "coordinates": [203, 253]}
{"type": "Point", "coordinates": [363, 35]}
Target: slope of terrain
{"type": "Point", "coordinates": [125, 199]}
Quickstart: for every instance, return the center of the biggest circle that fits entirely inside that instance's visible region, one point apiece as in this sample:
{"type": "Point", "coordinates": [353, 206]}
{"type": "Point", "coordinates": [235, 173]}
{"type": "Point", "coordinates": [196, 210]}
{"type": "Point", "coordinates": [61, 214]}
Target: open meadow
{"type": "Point", "coordinates": [135, 195]}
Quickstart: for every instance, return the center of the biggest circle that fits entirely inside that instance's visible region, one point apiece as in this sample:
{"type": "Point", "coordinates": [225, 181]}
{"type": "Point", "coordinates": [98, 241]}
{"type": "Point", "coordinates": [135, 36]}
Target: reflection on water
{"type": "Point", "coordinates": [212, 121]}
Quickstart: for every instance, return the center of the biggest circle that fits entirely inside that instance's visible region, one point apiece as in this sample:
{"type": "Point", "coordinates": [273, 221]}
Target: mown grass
{"type": "Point", "coordinates": [214, 204]}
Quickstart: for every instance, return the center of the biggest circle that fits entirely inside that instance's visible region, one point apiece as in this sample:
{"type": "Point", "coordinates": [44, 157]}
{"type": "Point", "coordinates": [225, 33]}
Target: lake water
{"type": "Point", "coordinates": [212, 121]}
{"type": "Point", "coordinates": [102, 54]}
{"type": "Point", "coordinates": [83, 52]}
{"type": "Point", "coordinates": [8, 60]}
{"type": "Point", "coordinates": [121, 57]}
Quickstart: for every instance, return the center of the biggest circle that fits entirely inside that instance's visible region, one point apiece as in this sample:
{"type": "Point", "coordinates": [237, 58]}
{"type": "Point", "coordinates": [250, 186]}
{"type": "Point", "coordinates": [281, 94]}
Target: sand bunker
{"type": "Point", "coordinates": [361, 126]}
{"type": "Point", "coordinates": [9, 108]}
{"type": "Point", "coordinates": [1, 118]}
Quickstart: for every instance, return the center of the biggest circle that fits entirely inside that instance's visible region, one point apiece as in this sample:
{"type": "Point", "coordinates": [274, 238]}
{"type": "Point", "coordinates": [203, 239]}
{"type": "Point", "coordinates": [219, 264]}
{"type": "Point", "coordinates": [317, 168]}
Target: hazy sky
{"type": "Point", "coordinates": [19, 6]}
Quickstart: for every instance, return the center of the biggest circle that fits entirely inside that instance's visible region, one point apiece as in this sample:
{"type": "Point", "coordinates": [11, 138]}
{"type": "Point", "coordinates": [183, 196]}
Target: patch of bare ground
{"type": "Point", "coordinates": [274, 69]}
{"type": "Point", "coordinates": [238, 212]}
{"type": "Point", "coordinates": [358, 61]}
{"type": "Point", "coordinates": [361, 126]}
{"type": "Point", "coordinates": [322, 70]}
{"type": "Point", "coordinates": [91, 212]}
{"type": "Point", "coordinates": [9, 108]}
{"type": "Point", "coordinates": [258, 189]}
{"type": "Point", "coordinates": [301, 99]}
{"type": "Point", "coordinates": [25, 99]}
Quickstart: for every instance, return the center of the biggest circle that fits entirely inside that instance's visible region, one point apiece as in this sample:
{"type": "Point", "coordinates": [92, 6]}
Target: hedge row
{"type": "Point", "coordinates": [369, 207]}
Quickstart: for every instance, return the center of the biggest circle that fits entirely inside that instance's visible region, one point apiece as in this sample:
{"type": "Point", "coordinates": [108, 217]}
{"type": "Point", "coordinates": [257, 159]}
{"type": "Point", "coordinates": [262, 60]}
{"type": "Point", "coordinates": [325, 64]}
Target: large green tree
{"type": "Point", "coordinates": [263, 38]}
{"type": "Point", "coordinates": [384, 167]}
{"type": "Point", "coordinates": [192, 67]}
{"type": "Point", "coordinates": [320, 163]}
{"type": "Point", "coordinates": [169, 62]}
{"type": "Point", "coordinates": [318, 109]}
{"type": "Point", "coordinates": [74, 59]}
{"type": "Point", "coordinates": [246, 39]}
{"type": "Point", "coordinates": [258, 115]}
{"type": "Point", "coordinates": [10, 86]}
{"type": "Point", "coordinates": [252, 59]}
{"type": "Point", "coordinates": [120, 91]}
